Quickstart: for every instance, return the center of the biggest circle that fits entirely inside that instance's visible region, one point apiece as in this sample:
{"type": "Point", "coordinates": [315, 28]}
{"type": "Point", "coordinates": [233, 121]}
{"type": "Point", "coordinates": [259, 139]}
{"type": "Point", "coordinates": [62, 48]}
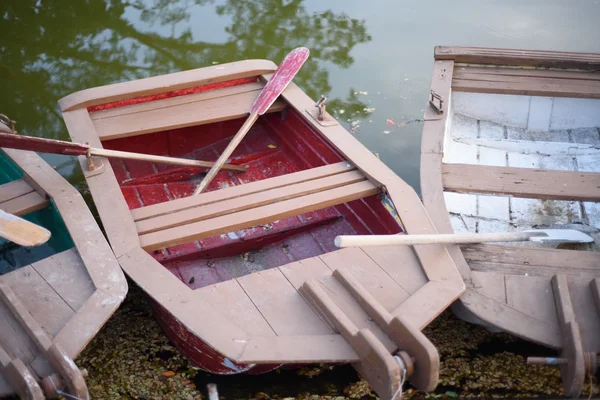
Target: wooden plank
{"type": "Point", "coordinates": [534, 58]}
{"type": "Point", "coordinates": [549, 82]}
{"type": "Point", "coordinates": [175, 101]}
{"type": "Point", "coordinates": [256, 216]}
{"type": "Point", "coordinates": [522, 182]}
{"type": "Point", "coordinates": [67, 275]}
{"type": "Point", "coordinates": [428, 302]}
{"type": "Point", "coordinates": [155, 210]}
{"type": "Point", "coordinates": [13, 338]}
{"type": "Point", "coordinates": [532, 296]}
{"type": "Point", "coordinates": [531, 88]}
{"type": "Point", "coordinates": [586, 312]}
{"type": "Point", "coordinates": [533, 257]}
{"type": "Point", "coordinates": [491, 285]}
{"type": "Point", "coordinates": [298, 349]}
{"type": "Point", "coordinates": [197, 113]}
{"type": "Point", "coordinates": [14, 189]}
{"type": "Point", "coordinates": [528, 72]}
{"type": "Point", "coordinates": [230, 299]}
{"type": "Point", "coordinates": [254, 200]}
{"type": "Point", "coordinates": [49, 310]}
{"type": "Point", "coordinates": [400, 263]}
{"type": "Point", "coordinates": [279, 302]}
{"type": "Point", "coordinates": [25, 204]}
{"type": "Point", "coordinates": [314, 268]}
{"type": "Point", "coordinates": [369, 273]}
{"type": "Point", "coordinates": [165, 83]}
{"type": "Point", "coordinates": [512, 320]}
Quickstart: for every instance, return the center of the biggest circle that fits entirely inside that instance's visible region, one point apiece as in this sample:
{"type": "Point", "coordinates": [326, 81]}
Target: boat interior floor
{"type": "Point", "coordinates": [232, 246]}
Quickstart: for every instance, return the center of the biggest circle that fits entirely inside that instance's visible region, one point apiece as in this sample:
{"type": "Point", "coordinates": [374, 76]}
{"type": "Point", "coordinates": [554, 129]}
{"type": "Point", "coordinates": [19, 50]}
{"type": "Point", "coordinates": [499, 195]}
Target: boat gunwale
{"type": "Point", "coordinates": [182, 302]}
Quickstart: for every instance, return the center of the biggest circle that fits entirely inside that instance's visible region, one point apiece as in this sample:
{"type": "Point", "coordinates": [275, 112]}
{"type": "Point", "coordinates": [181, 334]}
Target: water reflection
{"type": "Point", "coordinates": [52, 49]}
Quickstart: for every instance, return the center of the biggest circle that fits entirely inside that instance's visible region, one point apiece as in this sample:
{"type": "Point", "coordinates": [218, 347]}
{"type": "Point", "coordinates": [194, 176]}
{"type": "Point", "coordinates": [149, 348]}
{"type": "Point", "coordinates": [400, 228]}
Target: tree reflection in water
{"type": "Point", "coordinates": [52, 48]}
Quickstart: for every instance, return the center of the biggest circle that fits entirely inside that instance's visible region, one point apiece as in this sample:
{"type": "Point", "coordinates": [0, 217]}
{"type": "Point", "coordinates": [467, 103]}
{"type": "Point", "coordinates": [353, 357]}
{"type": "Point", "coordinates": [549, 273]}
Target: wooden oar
{"type": "Point", "coordinates": [21, 231]}
{"type": "Point", "coordinates": [284, 74]}
{"type": "Point", "coordinates": [15, 141]}
{"type": "Point", "coordinates": [537, 235]}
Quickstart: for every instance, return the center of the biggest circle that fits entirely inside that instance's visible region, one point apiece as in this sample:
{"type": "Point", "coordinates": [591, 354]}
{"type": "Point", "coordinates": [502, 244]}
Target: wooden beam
{"type": "Point", "coordinates": [528, 88]}
{"type": "Point", "coordinates": [461, 70]}
{"type": "Point", "coordinates": [162, 116]}
{"type": "Point", "coordinates": [256, 216]}
{"type": "Point", "coordinates": [14, 189]}
{"type": "Point", "coordinates": [24, 204]}
{"type": "Point", "coordinates": [242, 203]}
{"type": "Point", "coordinates": [531, 58]}
{"type": "Point", "coordinates": [522, 182]}
{"type": "Point", "coordinates": [155, 210]}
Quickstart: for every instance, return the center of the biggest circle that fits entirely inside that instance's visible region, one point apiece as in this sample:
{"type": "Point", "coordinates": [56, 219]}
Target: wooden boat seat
{"type": "Point", "coordinates": [19, 198]}
{"type": "Point", "coordinates": [226, 210]}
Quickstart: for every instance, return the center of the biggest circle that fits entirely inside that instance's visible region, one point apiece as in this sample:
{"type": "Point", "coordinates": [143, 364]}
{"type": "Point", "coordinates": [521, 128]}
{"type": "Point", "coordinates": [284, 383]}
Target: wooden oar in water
{"type": "Point", "coordinates": [284, 74]}
{"type": "Point", "coordinates": [21, 231]}
{"type": "Point", "coordinates": [15, 141]}
{"type": "Point", "coordinates": [534, 235]}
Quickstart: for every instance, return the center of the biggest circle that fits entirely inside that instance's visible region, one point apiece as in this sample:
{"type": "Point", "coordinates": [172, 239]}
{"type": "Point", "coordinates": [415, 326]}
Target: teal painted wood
{"type": "Point", "coordinates": [13, 256]}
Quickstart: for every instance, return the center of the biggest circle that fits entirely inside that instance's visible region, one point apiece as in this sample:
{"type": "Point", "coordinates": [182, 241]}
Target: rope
{"type": "Point", "coordinates": [403, 368]}
{"type": "Point", "coordinates": [61, 392]}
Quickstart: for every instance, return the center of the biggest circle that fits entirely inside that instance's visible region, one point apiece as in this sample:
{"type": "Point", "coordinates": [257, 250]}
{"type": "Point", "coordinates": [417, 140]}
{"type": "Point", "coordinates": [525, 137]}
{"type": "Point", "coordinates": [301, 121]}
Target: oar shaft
{"type": "Point", "coordinates": [159, 159]}
{"type": "Point", "coordinates": [227, 152]}
{"type": "Point", "coordinates": [409, 240]}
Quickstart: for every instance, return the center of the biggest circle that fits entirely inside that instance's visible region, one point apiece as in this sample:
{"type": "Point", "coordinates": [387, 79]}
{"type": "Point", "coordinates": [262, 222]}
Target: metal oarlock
{"type": "Point", "coordinates": [321, 108]}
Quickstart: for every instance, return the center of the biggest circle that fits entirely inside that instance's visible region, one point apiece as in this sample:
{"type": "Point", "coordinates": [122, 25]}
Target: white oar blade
{"type": "Point", "coordinates": [560, 236]}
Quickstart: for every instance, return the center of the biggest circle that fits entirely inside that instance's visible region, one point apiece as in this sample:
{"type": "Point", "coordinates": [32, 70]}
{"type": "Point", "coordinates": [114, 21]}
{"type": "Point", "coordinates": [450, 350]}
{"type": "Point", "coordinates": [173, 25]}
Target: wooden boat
{"type": "Point", "coordinates": [515, 146]}
{"type": "Point", "coordinates": [53, 298]}
{"type": "Point", "coordinates": [246, 277]}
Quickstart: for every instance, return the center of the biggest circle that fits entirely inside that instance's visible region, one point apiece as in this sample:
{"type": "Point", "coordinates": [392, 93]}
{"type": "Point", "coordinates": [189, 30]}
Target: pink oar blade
{"type": "Point", "coordinates": [286, 71]}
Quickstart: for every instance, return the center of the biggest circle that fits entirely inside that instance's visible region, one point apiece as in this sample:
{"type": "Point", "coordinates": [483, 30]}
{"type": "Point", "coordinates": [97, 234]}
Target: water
{"type": "Point", "coordinates": [372, 58]}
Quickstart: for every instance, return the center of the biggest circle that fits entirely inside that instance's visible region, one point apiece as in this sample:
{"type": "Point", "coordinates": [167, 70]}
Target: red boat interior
{"type": "Point", "coordinates": [279, 143]}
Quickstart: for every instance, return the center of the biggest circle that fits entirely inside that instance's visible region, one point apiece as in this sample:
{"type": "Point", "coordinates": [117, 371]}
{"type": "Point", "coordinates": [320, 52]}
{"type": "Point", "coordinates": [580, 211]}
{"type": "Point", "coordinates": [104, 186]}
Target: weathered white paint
{"type": "Point", "coordinates": [522, 132]}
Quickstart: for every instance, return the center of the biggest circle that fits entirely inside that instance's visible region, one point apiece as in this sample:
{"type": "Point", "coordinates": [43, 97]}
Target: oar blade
{"type": "Point", "coordinates": [286, 71]}
{"type": "Point", "coordinates": [21, 231]}
{"type": "Point", "coordinates": [560, 236]}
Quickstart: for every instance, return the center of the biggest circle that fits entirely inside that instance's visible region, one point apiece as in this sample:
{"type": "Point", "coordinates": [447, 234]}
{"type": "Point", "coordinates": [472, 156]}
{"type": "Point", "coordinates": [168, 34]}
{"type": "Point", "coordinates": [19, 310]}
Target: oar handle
{"type": "Point", "coordinates": [409, 240]}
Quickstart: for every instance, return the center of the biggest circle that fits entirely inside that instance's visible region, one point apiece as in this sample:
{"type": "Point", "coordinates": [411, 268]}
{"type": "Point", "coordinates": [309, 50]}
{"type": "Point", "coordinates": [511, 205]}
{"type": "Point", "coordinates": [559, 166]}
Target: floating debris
{"type": "Point", "coordinates": [386, 132]}
{"type": "Point", "coordinates": [363, 93]}
{"type": "Point", "coordinates": [390, 122]}
{"type": "Point", "coordinates": [369, 110]}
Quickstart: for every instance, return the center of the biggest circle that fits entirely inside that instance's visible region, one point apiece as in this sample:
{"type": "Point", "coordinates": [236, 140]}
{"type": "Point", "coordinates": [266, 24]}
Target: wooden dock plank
{"type": "Point", "coordinates": [314, 268]}
{"type": "Point", "coordinates": [230, 299]}
{"type": "Point", "coordinates": [247, 202]}
{"type": "Point", "coordinates": [522, 182]}
{"type": "Point", "coordinates": [282, 306]}
{"type": "Point", "coordinates": [14, 189]}
{"type": "Point", "coordinates": [67, 274]}
{"type": "Point", "coordinates": [25, 204]}
{"type": "Point", "coordinates": [531, 295]}
{"type": "Point", "coordinates": [401, 263]}
{"type": "Point", "coordinates": [256, 216]}
{"type": "Point", "coordinates": [43, 303]}
{"type": "Point", "coordinates": [381, 285]}
{"type": "Point", "coordinates": [232, 192]}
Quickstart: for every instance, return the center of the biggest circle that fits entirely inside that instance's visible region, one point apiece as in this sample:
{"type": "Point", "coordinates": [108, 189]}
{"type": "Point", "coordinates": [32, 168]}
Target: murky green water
{"type": "Point", "coordinates": [372, 58]}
